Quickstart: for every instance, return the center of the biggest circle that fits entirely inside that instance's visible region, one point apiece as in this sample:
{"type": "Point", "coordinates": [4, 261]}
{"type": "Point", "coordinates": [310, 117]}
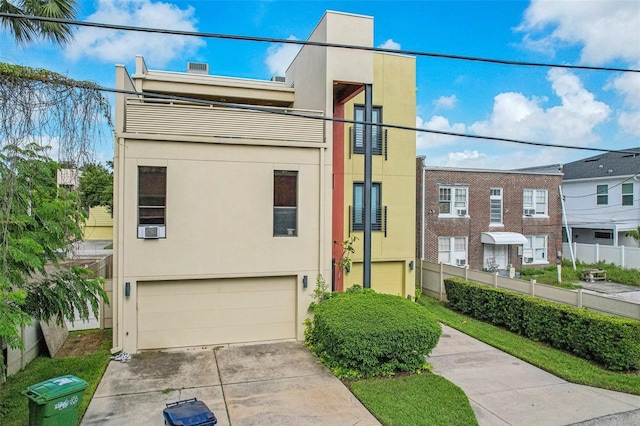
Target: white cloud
{"type": "Point", "coordinates": [280, 56]}
{"type": "Point", "coordinates": [629, 122]}
{"type": "Point", "coordinates": [607, 30]}
{"type": "Point", "coordinates": [122, 46]}
{"type": "Point", "coordinates": [426, 141]}
{"type": "Point", "coordinates": [446, 102]}
{"type": "Point", "coordinates": [572, 122]}
{"type": "Point", "coordinates": [390, 44]}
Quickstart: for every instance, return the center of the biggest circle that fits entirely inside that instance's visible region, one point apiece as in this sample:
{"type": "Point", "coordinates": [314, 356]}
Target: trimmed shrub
{"type": "Point", "coordinates": [365, 334]}
{"type": "Point", "coordinates": [611, 341]}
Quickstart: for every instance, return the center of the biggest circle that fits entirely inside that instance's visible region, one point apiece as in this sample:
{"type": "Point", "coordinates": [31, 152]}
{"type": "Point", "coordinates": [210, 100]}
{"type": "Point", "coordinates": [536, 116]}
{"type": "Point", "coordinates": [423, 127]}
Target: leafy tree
{"type": "Point", "coordinates": [26, 31]}
{"type": "Point", "coordinates": [38, 224]}
{"type": "Point", "coordinates": [635, 234]}
{"type": "Point", "coordinates": [96, 185]}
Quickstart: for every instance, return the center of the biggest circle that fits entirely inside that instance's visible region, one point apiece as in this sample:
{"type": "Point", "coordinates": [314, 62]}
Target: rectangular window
{"type": "Point", "coordinates": [285, 203]}
{"type": "Point", "coordinates": [152, 195]}
{"type": "Point", "coordinates": [535, 250]}
{"type": "Point", "coordinates": [603, 235]}
{"type": "Point", "coordinates": [456, 205]}
{"type": "Point", "coordinates": [534, 202]}
{"type": "Point", "coordinates": [602, 192]}
{"type": "Point", "coordinates": [495, 206]}
{"type": "Point", "coordinates": [452, 250]}
{"type": "Point", "coordinates": [627, 194]}
{"type": "Point", "coordinates": [358, 207]}
{"type": "Point", "coordinates": [376, 131]}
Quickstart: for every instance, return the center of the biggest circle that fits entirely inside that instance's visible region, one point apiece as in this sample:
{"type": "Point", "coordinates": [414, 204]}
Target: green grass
{"type": "Point", "coordinates": [108, 246]}
{"type": "Point", "coordinates": [14, 407]}
{"type": "Point", "coordinates": [571, 277]}
{"type": "Point", "coordinates": [421, 399]}
{"type": "Point", "coordinates": [559, 363]}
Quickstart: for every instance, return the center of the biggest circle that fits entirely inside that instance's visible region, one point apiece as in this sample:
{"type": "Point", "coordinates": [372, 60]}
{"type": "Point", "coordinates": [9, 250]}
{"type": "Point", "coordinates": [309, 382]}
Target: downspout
{"type": "Point", "coordinates": [322, 212]}
{"type": "Point", "coordinates": [566, 228]}
{"type": "Point", "coordinates": [422, 222]}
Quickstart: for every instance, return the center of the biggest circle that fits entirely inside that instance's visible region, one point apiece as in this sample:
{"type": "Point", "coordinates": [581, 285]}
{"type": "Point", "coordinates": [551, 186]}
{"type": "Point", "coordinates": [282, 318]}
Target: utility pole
{"type": "Point", "coordinates": [368, 159]}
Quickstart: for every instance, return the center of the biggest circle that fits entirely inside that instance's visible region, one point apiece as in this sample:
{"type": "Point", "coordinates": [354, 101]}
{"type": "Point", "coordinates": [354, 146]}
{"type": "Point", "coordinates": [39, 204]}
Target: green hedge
{"type": "Point", "coordinates": [366, 334]}
{"type": "Point", "coordinates": [611, 341]}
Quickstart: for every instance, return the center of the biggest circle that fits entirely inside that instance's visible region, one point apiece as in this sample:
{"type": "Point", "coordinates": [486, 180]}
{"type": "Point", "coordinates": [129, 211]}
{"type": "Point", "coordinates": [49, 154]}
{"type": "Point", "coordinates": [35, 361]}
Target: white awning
{"type": "Point", "coordinates": [503, 238]}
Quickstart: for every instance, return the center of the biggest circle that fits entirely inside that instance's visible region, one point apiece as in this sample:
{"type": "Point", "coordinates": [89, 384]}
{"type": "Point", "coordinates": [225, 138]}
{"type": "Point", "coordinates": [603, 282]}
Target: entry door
{"type": "Point", "coordinates": [499, 252]}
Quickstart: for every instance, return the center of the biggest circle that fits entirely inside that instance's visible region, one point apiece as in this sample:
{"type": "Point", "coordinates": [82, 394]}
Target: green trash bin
{"type": "Point", "coordinates": [55, 401]}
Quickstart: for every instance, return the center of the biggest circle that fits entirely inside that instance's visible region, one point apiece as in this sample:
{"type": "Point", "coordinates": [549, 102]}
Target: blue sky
{"type": "Point", "coordinates": [579, 108]}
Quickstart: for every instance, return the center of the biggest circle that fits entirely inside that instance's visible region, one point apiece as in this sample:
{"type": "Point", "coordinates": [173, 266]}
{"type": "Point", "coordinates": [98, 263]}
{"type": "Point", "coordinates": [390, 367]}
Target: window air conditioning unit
{"type": "Point", "coordinates": [151, 232]}
{"type": "Point", "coordinates": [529, 212]}
{"type": "Point", "coordinates": [527, 259]}
{"type": "Point", "coordinates": [461, 212]}
{"type": "Point", "coordinates": [461, 262]}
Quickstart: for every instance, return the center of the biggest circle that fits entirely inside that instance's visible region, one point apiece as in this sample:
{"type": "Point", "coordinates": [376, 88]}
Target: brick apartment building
{"type": "Point", "coordinates": [487, 219]}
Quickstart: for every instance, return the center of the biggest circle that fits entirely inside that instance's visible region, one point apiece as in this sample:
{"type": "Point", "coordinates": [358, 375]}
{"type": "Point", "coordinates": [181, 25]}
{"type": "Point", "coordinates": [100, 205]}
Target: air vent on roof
{"type": "Point", "coordinates": [197, 68]}
{"type": "Point", "coordinates": [278, 78]}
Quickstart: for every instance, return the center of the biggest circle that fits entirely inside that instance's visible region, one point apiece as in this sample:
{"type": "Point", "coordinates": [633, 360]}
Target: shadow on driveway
{"type": "Point", "coordinates": [266, 384]}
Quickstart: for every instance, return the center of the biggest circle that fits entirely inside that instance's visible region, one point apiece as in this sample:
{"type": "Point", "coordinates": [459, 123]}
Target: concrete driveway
{"type": "Point", "coordinates": [267, 384]}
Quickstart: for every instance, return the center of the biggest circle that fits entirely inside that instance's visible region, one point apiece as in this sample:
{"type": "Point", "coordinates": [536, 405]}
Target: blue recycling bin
{"type": "Point", "coordinates": [188, 412]}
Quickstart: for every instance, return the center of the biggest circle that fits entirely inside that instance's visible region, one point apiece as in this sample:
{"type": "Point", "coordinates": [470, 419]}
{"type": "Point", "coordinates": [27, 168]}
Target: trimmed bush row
{"type": "Point", "coordinates": [611, 341]}
{"type": "Point", "coordinates": [368, 334]}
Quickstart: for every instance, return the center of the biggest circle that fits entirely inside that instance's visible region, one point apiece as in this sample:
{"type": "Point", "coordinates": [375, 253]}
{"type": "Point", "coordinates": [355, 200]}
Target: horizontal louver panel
{"type": "Point", "coordinates": [221, 122]}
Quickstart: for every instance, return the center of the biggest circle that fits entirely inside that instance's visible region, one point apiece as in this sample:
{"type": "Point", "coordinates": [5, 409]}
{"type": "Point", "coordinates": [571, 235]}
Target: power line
{"type": "Point", "coordinates": [312, 43]}
{"type": "Point", "coordinates": [286, 112]}
{"type": "Point", "coordinates": [596, 193]}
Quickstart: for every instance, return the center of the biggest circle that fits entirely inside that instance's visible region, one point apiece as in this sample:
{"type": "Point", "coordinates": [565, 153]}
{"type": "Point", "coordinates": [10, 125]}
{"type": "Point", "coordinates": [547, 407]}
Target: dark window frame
{"type": "Point", "coordinates": [152, 196]}
{"type": "Point", "coordinates": [377, 131]}
{"type": "Point", "coordinates": [285, 203]}
{"type": "Point", "coordinates": [357, 212]}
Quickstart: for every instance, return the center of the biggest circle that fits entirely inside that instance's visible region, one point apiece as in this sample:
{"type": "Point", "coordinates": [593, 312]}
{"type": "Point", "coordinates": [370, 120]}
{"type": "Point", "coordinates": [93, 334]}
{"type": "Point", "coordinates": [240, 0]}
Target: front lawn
{"type": "Point", "coordinates": [14, 407]}
{"type": "Point", "coordinates": [557, 362]}
{"type": "Point", "coordinates": [419, 399]}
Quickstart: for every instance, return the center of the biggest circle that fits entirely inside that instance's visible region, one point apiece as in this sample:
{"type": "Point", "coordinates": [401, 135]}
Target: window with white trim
{"type": "Point", "coordinates": [452, 250]}
{"type": "Point", "coordinates": [495, 206]}
{"type": "Point", "coordinates": [534, 202]}
{"type": "Point", "coordinates": [535, 250]}
{"type": "Point", "coordinates": [602, 194]}
{"type": "Point", "coordinates": [627, 194]}
{"type": "Point", "coordinates": [453, 201]}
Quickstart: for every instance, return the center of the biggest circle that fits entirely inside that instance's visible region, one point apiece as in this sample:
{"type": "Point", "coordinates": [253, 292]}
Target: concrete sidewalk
{"type": "Point", "coordinates": [503, 390]}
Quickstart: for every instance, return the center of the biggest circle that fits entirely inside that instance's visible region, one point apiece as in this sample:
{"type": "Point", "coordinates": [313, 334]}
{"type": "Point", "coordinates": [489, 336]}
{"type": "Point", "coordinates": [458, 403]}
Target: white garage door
{"type": "Point", "coordinates": [175, 314]}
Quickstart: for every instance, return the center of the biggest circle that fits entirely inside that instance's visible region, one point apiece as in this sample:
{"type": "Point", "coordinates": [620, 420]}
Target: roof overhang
{"type": "Point", "coordinates": [503, 238]}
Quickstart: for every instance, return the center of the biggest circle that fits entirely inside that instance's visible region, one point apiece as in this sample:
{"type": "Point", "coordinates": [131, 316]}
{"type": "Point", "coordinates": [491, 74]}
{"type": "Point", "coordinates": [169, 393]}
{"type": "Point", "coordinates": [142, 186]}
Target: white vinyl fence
{"type": "Point", "coordinates": [430, 277]}
{"type": "Point", "coordinates": [627, 257]}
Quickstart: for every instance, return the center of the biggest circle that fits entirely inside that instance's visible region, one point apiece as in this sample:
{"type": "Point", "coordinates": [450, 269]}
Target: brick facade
{"type": "Point", "coordinates": [478, 184]}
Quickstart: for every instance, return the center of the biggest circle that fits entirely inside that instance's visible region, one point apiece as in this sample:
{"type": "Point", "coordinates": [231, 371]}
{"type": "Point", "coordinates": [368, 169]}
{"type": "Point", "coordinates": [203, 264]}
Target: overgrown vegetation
{"type": "Point", "coordinates": [419, 399]}
{"type": "Point", "coordinates": [555, 361]}
{"type": "Point", "coordinates": [38, 221]}
{"type": "Point", "coordinates": [611, 341]}
{"type": "Point", "coordinates": [361, 333]}
{"type": "Point", "coordinates": [14, 408]}
{"type": "Point", "coordinates": [571, 278]}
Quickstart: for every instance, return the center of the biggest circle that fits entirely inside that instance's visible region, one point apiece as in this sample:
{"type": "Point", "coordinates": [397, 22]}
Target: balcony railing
{"type": "Point", "coordinates": [378, 140]}
{"type": "Point", "coordinates": [378, 219]}
{"type": "Point", "coordinates": [162, 117]}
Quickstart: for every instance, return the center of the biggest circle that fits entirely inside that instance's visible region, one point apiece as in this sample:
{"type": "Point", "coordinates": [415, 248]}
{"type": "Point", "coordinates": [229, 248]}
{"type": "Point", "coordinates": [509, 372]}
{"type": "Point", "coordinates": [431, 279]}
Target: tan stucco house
{"type": "Point", "coordinates": [224, 215]}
